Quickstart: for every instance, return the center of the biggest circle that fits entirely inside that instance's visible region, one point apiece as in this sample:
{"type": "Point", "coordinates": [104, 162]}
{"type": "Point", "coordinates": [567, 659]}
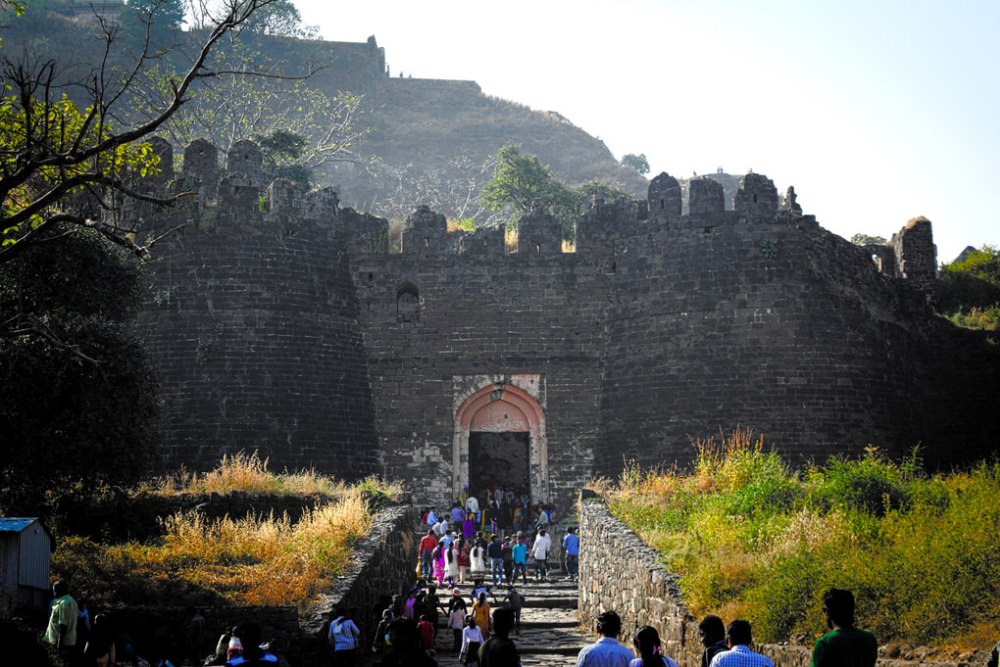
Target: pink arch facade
{"type": "Point", "coordinates": [501, 408]}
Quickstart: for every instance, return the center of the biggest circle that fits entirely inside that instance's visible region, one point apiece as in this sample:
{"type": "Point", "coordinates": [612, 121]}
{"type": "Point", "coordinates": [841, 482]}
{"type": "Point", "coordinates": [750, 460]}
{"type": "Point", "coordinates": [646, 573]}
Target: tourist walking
{"type": "Point", "coordinates": [495, 552]}
{"type": "Point", "coordinates": [519, 552]}
{"type": "Point", "coordinates": [738, 637]}
{"type": "Point", "coordinates": [478, 558]}
{"type": "Point", "coordinates": [472, 639]}
{"type": "Point", "coordinates": [499, 650]}
{"type": "Point", "coordinates": [647, 645]}
{"type": "Point", "coordinates": [571, 547]}
{"type": "Point", "coordinates": [456, 621]}
{"type": "Point", "coordinates": [427, 545]}
{"type": "Point", "coordinates": [63, 618]}
{"type": "Point", "coordinates": [481, 612]}
{"type": "Point", "coordinates": [844, 645]}
{"type": "Point", "coordinates": [463, 557]}
{"type": "Point", "coordinates": [713, 637]}
{"type": "Point", "coordinates": [344, 636]}
{"type": "Point", "coordinates": [515, 602]}
{"type": "Point", "coordinates": [540, 552]}
{"type": "Point", "coordinates": [451, 563]}
{"type": "Point", "coordinates": [606, 651]}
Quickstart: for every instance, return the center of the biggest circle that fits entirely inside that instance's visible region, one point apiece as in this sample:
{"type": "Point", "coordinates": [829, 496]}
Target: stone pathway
{"type": "Point", "coordinates": [550, 632]}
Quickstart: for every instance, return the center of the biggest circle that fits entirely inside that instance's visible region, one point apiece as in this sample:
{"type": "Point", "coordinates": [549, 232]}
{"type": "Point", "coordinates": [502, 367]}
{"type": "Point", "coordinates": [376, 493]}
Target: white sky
{"type": "Point", "coordinates": [875, 111]}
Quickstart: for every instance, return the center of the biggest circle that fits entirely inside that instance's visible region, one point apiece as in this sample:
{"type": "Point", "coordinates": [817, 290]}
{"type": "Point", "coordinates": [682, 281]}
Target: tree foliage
{"type": "Point", "coordinates": [77, 398]}
{"type": "Point", "coordinates": [866, 239]}
{"type": "Point", "coordinates": [520, 180]}
{"type": "Point", "coordinates": [637, 162]}
{"type": "Point", "coordinates": [56, 151]}
{"type": "Point", "coordinates": [254, 99]}
{"type": "Point", "coordinates": [968, 291]}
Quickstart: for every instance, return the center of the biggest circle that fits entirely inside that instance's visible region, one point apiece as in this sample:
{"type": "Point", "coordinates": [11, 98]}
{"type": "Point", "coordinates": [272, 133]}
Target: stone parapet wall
{"type": "Point", "coordinates": [620, 572]}
{"type": "Point", "coordinates": [383, 563]}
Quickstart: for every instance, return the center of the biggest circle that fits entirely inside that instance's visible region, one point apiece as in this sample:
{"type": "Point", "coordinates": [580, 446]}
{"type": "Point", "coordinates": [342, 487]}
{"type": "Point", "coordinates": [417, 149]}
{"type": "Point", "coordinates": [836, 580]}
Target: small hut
{"type": "Point", "coordinates": [25, 557]}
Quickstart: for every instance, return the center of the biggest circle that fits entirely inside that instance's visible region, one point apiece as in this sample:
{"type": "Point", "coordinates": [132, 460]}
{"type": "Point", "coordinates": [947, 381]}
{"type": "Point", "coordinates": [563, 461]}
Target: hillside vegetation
{"type": "Point", "coordinates": [968, 292]}
{"type": "Point", "coordinates": [256, 560]}
{"type": "Point", "coordinates": [753, 538]}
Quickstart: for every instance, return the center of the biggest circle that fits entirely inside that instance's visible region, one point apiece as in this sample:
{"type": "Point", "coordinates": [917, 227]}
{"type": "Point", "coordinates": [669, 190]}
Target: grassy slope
{"type": "Point", "coordinates": [755, 539]}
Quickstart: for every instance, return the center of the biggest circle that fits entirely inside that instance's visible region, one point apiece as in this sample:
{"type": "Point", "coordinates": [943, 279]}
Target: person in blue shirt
{"type": "Point", "coordinates": [606, 651]}
{"type": "Point", "coordinates": [571, 547]}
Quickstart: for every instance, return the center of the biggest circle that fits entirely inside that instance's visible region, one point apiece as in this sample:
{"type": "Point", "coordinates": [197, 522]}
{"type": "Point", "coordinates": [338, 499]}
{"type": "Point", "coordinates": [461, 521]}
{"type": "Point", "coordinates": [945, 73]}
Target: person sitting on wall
{"type": "Point", "coordinates": [844, 645]}
{"type": "Point", "coordinates": [606, 651]}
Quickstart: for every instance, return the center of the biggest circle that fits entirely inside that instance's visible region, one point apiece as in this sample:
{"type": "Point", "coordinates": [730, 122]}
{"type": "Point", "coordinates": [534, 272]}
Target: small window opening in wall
{"type": "Point", "coordinates": [371, 277]}
{"type": "Point", "coordinates": [427, 242]}
{"type": "Point", "coordinates": [407, 304]}
{"type": "Point", "coordinates": [708, 230]}
{"type": "Point", "coordinates": [538, 247]}
{"type": "Point", "coordinates": [663, 203]}
{"type": "Point", "coordinates": [755, 199]}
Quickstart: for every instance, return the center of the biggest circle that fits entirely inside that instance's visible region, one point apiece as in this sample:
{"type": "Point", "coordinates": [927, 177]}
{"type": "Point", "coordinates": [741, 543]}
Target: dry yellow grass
{"type": "Point", "coordinates": [251, 561]}
{"type": "Point", "coordinates": [248, 473]}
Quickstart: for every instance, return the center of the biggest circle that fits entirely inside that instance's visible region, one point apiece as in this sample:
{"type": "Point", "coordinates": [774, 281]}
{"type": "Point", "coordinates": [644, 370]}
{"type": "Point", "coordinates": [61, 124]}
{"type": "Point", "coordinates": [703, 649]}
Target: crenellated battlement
{"type": "Point", "coordinates": [235, 195]}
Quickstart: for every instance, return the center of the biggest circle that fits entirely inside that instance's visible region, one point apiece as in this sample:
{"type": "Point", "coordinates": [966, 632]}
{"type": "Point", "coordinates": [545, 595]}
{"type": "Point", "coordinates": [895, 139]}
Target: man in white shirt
{"type": "Point", "coordinates": [606, 651]}
{"type": "Point", "coordinates": [540, 551]}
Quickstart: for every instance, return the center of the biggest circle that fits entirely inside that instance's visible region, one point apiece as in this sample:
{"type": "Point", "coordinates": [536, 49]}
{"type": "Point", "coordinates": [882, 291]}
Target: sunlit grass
{"type": "Point", "coordinates": [249, 473]}
{"type": "Point", "coordinates": [251, 560]}
{"type": "Point", "coordinates": [752, 536]}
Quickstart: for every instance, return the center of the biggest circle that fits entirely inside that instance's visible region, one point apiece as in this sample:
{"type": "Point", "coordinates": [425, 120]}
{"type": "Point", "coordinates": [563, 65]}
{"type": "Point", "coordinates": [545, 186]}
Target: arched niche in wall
{"type": "Point", "coordinates": [502, 408]}
{"type": "Point", "coordinates": [407, 303]}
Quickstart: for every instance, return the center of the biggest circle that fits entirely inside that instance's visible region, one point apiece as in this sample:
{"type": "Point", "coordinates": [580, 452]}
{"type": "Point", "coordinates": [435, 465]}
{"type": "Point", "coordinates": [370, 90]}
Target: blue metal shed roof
{"type": "Point", "coordinates": [16, 524]}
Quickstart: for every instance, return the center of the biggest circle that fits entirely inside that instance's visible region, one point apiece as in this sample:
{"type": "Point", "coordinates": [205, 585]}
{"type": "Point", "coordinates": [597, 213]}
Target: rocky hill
{"type": "Point", "coordinates": [425, 141]}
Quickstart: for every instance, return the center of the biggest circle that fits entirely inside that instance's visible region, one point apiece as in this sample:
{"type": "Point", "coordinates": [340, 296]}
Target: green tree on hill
{"type": "Point", "coordinates": [520, 180]}
{"type": "Point", "coordinates": [637, 162]}
{"type": "Point", "coordinates": [968, 291]}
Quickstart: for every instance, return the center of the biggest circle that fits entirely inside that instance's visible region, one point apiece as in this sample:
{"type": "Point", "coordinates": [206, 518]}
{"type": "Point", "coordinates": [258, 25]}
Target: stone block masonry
{"type": "Point", "coordinates": [620, 572]}
{"type": "Point", "coordinates": [277, 320]}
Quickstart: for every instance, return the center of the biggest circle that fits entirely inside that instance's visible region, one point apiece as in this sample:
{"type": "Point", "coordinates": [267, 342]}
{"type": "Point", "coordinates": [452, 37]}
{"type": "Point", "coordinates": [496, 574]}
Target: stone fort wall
{"type": "Point", "coordinates": [278, 320]}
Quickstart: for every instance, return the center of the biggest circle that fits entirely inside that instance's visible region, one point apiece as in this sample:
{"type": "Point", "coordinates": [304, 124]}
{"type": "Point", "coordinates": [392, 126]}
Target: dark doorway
{"type": "Point", "coordinates": [499, 461]}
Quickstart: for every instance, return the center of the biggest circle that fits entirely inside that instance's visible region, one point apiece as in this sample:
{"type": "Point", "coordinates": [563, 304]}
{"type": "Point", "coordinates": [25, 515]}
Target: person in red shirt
{"type": "Point", "coordinates": [426, 630]}
{"type": "Point", "coordinates": [427, 544]}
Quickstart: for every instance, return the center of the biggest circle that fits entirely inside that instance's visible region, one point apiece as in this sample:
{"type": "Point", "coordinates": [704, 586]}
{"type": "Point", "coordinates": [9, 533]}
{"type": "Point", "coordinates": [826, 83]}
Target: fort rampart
{"type": "Point", "coordinates": [279, 321]}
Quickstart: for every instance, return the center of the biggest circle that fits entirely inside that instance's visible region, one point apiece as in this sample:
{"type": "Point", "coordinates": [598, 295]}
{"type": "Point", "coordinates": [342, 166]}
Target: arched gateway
{"type": "Point", "coordinates": [499, 436]}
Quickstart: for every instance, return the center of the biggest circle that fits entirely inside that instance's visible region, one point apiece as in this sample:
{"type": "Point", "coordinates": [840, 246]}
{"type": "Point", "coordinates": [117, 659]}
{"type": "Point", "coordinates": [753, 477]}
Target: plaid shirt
{"type": "Point", "coordinates": [741, 656]}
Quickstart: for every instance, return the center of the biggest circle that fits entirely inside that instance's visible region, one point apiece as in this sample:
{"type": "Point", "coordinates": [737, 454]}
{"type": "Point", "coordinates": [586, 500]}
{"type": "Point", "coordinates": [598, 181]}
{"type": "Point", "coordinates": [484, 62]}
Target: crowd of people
{"type": "Point", "coordinates": [731, 646]}
{"type": "Point", "coordinates": [480, 626]}
{"type": "Point", "coordinates": [83, 640]}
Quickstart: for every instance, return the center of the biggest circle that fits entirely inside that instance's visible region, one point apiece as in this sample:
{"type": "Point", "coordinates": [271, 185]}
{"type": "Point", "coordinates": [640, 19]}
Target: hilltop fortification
{"type": "Point", "coordinates": [278, 320]}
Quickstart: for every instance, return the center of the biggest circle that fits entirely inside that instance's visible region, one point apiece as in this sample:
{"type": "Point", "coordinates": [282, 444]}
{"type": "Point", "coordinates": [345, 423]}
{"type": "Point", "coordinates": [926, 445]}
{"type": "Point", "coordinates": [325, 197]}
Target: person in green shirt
{"type": "Point", "coordinates": [61, 632]}
{"type": "Point", "coordinates": [844, 645]}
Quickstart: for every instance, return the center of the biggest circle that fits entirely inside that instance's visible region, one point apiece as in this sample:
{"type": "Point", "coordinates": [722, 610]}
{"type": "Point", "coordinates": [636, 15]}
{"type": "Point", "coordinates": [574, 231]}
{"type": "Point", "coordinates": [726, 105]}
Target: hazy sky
{"type": "Point", "coordinates": [876, 111]}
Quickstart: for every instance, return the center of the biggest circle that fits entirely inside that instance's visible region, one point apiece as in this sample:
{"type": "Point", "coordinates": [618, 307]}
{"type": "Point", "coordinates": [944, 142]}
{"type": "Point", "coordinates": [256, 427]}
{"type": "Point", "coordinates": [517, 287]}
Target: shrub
{"type": "Point", "coordinates": [751, 537]}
